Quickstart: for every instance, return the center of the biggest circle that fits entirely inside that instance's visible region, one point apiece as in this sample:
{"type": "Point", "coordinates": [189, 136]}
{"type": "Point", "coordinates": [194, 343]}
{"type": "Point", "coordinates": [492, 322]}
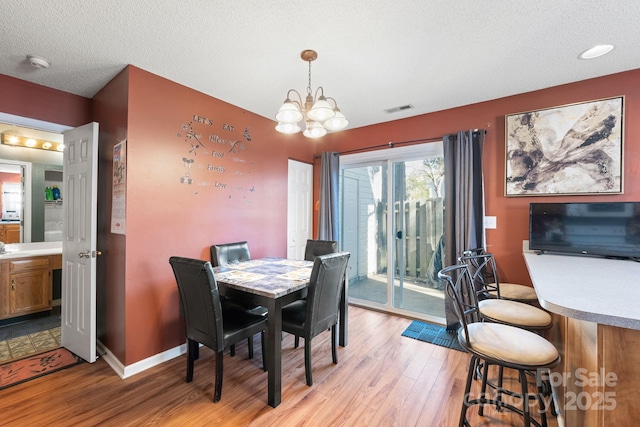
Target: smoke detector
{"type": "Point", "coordinates": [38, 61]}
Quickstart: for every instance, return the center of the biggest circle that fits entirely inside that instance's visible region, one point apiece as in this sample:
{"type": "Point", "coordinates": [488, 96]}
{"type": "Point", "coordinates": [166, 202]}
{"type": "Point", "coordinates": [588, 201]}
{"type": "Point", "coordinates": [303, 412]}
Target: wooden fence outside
{"type": "Point", "coordinates": [423, 227]}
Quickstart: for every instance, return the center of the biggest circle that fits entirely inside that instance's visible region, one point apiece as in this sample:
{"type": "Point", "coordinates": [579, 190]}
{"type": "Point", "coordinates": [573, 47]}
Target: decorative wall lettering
{"type": "Point", "coordinates": [217, 139]}
{"type": "Point", "coordinates": [219, 169]}
{"type": "Point", "coordinates": [199, 173]}
{"type": "Point", "coordinates": [203, 120]}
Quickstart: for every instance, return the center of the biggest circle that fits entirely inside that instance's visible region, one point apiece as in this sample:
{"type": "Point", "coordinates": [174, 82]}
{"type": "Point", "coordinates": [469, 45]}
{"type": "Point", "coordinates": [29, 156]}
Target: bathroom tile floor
{"type": "Point", "coordinates": [34, 336]}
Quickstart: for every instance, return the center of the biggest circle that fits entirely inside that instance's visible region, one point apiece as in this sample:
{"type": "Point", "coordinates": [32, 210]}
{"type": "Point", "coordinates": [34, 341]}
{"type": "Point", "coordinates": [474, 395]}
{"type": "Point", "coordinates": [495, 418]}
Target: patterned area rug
{"type": "Point", "coordinates": [433, 334]}
{"type": "Point", "coordinates": [19, 371]}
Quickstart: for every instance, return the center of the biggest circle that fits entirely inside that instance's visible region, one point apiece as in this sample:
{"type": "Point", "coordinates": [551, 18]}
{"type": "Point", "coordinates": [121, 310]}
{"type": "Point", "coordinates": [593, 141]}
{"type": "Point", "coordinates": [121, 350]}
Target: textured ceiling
{"type": "Point", "coordinates": [372, 55]}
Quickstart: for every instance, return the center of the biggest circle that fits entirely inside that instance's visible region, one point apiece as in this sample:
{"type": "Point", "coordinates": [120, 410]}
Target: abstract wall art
{"type": "Point", "coordinates": [567, 150]}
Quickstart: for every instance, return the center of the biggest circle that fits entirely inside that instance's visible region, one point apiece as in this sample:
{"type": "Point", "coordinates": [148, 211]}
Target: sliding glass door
{"type": "Point", "coordinates": [391, 222]}
{"type": "Point", "coordinates": [364, 230]}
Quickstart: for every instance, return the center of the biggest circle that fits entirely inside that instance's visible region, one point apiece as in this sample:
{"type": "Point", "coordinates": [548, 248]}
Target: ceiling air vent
{"type": "Point", "coordinates": [400, 108]}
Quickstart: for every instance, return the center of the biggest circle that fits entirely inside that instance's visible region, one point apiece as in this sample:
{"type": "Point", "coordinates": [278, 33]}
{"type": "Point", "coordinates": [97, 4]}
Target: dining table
{"type": "Point", "coordinates": [273, 283]}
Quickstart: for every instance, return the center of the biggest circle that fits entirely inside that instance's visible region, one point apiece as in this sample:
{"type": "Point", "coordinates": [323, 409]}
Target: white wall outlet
{"type": "Point", "coordinates": [490, 222]}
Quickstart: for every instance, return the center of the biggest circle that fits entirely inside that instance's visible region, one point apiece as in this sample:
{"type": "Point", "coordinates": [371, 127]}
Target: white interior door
{"type": "Point", "coordinates": [80, 162]}
{"type": "Point", "coordinates": [299, 208]}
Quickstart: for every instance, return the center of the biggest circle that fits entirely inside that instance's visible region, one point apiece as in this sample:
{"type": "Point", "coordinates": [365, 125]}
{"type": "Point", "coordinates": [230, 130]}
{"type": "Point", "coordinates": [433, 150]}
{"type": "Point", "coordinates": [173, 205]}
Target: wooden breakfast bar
{"type": "Point", "coordinates": [595, 305]}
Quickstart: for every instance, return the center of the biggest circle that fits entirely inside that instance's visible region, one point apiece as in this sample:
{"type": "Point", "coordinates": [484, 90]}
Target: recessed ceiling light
{"type": "Point", "coordinates": [596, 51]}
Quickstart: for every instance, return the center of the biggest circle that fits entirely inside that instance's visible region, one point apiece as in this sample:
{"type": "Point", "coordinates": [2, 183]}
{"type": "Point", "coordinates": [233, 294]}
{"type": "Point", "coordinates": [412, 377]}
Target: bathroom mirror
{"type": "Point", "coordinates": [25, 198]}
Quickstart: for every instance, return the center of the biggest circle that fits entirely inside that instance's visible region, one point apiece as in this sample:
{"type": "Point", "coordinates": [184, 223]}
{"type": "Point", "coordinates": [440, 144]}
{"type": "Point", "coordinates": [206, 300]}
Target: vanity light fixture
{"type": "Point", "coordinates": [21, 141]}
{"type": "Point", "coordinates": [316, 111]}
{"type": "Point", "coordinates": [596, 51]}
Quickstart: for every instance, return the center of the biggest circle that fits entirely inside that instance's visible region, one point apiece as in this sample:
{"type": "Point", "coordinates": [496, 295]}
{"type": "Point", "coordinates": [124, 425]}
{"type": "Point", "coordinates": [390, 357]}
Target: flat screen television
{"type": "Point", "coordinates": [610, 229]}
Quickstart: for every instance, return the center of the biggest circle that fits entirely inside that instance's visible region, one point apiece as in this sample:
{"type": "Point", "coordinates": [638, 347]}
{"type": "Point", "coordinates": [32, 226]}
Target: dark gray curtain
{"type": "Point", "coordinates": [328, 214]}
{"type": "Point", "coordinates": [464, 200]}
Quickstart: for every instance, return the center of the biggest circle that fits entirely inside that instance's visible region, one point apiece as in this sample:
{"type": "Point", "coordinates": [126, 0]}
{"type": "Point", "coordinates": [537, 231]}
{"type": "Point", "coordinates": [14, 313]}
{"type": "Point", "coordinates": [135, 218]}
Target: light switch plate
{"type": "Point", "coordinates": [490, 222]}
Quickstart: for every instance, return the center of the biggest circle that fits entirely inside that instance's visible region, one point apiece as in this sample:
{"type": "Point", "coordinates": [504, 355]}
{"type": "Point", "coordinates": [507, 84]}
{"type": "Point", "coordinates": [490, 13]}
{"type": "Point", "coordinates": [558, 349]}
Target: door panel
{"type": "Point", "coordinates": [80, 162]}
{"type": "Point", "coordinates": [364, 231]}
{"type": "Point", "coordinates": [299, 208]}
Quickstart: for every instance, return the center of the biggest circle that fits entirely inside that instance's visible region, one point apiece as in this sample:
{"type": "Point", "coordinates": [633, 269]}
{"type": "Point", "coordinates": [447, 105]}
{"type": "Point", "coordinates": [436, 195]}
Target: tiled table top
{"type": "Point", "coordinates": [271, 277]}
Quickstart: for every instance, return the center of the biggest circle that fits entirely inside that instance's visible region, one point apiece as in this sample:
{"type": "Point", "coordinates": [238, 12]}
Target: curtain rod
{"type": "Point", "coordinates": [392, 144]}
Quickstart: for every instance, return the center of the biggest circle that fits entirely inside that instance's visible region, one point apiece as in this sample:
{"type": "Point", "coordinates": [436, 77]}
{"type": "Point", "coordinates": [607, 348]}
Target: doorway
{"type": "Point", "coordinates": [392, 224]}
{"type": "Point", "coordinates": [32, 171]}
{"type": "Point", "coordinates": [299, 207]}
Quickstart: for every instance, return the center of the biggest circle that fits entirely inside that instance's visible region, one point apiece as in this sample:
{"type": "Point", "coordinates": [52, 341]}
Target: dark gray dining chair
{"type": "Point", "coordinates": [208, 321]}
{"type": "Point", "coordinates": [319, 312]}
{"type": "Point", "coordinates": [319, 247]}
{"type": "Point", "coordinates": [229, 253]}
{"type": "Point", "coordinates": [313, 249]}
{"type": "Point", "coordinates": [234, 253]}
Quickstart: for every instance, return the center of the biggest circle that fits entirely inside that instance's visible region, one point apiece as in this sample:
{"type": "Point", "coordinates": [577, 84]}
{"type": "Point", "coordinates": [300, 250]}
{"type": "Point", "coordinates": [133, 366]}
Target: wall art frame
{"type": "Point", "coordinates": [574, 149]}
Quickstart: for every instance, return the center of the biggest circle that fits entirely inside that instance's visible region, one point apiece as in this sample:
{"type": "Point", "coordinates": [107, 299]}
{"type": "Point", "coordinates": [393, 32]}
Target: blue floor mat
{"type": "Point", "coordinates": [433, 334]}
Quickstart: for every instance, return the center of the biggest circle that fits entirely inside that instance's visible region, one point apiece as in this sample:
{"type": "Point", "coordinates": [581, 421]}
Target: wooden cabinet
{"type": "Point", "coordinates": [10, 233]}
{"type": "Point", "coordinates": [25, 286]}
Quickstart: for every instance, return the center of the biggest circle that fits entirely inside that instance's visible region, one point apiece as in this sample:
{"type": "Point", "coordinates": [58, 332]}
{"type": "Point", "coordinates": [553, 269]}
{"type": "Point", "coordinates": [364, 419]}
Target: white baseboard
{"type": "Point", "coordinates": [127, 371]}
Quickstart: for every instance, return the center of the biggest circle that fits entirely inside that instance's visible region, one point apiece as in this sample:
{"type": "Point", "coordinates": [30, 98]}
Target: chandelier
{"type": "Point", "coordinates": [316, 111]}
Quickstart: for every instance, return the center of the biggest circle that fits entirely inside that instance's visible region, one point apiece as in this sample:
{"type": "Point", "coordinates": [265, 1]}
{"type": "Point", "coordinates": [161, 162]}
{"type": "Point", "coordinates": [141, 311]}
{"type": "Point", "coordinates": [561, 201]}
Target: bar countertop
{"type": "Point", "coordinates": [594, 289]}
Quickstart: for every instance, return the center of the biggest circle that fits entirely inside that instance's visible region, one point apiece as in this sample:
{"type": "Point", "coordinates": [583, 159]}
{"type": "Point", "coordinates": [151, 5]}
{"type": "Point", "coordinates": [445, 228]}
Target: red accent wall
{"type": "Point", "coordinates": [22, 98]}
{"type": "Point", "coordinates": [194, 179]}
{"type": "Point", "coordinates": [512, 212]}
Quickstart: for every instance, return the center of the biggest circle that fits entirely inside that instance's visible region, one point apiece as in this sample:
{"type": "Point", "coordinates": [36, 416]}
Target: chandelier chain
{"type": "Point", "coordinates": [309, 86]}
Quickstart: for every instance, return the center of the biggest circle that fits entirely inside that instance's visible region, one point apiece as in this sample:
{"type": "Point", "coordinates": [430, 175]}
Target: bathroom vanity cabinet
{"type": "Point", "coordinates": [10, 233]}
{"type": "Point", "coordinates": [26, 283]}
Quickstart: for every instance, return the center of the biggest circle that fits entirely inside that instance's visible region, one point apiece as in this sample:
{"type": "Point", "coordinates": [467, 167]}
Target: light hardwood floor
{"type": "Point", "coordinates": [382, 379]}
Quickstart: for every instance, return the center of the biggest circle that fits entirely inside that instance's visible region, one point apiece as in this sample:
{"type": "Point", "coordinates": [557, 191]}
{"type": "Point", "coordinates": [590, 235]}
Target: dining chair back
{"type": "Point", "coordinates": [207, 320]}
{"type": "Point", "coordinates": [229, 253]}
{"type": "Point", "coordinates": [319, 312]}
{"type": "Point", "coordinates": [235, 253]}
{"type": "Point", "coordinates": [319, 247]}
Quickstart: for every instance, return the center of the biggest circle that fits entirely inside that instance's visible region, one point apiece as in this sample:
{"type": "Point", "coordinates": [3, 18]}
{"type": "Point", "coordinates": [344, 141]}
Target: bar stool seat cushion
{"type": "Point", "coordinates": [508, 344]}
{"type": "Point", "coordinates": [515, 292]}
{"type": "Point", "coordinates": [514, 313]}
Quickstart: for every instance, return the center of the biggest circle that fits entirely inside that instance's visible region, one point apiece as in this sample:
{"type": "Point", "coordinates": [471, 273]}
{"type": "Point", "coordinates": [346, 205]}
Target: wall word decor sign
{"type": "Point", "coordinates": [213, 157]}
